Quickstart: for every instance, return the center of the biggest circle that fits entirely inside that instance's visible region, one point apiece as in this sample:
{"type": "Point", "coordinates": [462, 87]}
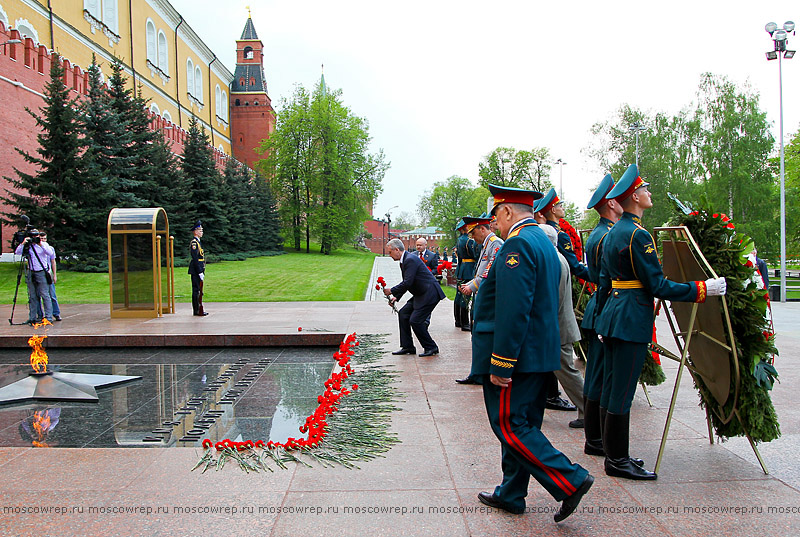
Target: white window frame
{"type": "Point", "coordinates": [163, 52]}
{"type": "Point", "coordinates": [152, 46]}
{"type": "Point", "coordinates": [189, 76]}
{"type": "Point", "coordinates": [198, 83]}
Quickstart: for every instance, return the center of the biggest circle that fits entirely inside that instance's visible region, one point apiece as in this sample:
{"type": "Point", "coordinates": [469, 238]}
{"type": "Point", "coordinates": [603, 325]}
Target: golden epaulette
{"type": "Point", "coordinates": [626, 284]}
{"type": "Point", "coordinates": [516, 231]}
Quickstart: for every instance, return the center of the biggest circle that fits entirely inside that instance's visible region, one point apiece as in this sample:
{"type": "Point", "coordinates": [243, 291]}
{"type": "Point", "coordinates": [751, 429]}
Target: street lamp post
{"type": "Point", "coordinates": [780, 38]}
{"type": "Point", "coordinates": [388, 227]}
{"type": "Point", "coordinates": [636, 128]}
{"type": "Point", "coordinates": [561, 165]}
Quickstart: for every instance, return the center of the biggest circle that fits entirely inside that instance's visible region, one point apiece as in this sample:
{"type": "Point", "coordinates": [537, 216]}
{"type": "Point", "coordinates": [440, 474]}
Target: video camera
{"type": "Point", "coordinates": [28, 232]}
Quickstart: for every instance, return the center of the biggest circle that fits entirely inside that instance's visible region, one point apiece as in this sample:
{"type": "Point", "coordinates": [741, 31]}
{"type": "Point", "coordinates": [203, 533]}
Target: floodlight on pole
{"type": "Point", "coordinates": [636, 128]}
{"type": "Point", "coordinates": [561, 165]}
{"type": "Point", "coordinates": [780, 36]}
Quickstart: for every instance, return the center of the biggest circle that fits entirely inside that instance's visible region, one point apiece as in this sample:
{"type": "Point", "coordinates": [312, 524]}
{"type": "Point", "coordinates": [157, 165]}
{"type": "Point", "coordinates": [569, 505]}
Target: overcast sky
{"type": "Point", "coordinates": [442, 83]}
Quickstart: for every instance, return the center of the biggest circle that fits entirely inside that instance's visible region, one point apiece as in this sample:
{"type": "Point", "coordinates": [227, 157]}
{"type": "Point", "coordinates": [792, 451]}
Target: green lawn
{"type": "Point", "coordinates": [283, 278]}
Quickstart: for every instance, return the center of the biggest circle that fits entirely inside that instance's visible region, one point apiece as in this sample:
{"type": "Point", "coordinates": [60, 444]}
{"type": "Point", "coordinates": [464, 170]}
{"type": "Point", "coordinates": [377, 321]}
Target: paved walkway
{"type": "Point", "coordinates": [427, 485]}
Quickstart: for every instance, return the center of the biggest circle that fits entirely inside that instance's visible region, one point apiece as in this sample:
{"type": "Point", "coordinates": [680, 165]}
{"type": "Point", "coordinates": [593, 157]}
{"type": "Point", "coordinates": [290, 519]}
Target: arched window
{"type": "Point", "coordinates": [151, 42]}
{"type": "Point", "coordinates": [224, 105]}
{"type": "Point", "coordinates": [248, 53]}
{"type": "Point", "coordinates": [238, 102]}
{"type": "Point", "coordinates": [154, 109]}
{"type": "Point", "coordinates": [190, 76]}
{"type": "Point", "coordinates": [241, 81]}
{"type": "Point", "coordinates": [217, 100]}
{"type": "Point", "coordinates": [252, 81]}
{"type": "Point", "coordinates": [26, 29]}
{"type": "Point", "coordinates": [198, 83]}
{"type": "Point", "coordinates": [167, 117]}
{"type": "Point", "coordinates": [163, 53]}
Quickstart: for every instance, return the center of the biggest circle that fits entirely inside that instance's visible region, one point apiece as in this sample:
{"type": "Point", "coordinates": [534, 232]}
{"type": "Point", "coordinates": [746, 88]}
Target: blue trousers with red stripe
{"type": "Point", "coordinates": [515, 414]}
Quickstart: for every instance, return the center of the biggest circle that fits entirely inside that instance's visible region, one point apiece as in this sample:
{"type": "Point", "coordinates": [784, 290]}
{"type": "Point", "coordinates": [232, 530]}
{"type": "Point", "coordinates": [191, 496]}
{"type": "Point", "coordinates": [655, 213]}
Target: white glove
{"type": "Point", "coordinates": [716, 287]}
{"type": "Point", "coordinates": [203, 277]}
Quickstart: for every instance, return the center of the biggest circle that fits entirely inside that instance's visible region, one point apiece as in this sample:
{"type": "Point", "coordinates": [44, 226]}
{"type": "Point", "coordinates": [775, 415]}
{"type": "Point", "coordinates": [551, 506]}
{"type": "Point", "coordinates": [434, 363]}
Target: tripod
{"type": "Point", "coordinates": [16, 291]}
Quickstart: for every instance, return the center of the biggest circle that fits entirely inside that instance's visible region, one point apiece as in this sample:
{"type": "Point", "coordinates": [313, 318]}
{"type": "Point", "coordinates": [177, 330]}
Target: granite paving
{"type": "Point", "coordinates": [426, 485]}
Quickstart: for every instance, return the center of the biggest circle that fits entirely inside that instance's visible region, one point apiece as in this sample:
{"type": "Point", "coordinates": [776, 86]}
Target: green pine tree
{"type": "Point", "coordinates": [60, 197]}
{"type": "Point", "coordinates": [205, 191]}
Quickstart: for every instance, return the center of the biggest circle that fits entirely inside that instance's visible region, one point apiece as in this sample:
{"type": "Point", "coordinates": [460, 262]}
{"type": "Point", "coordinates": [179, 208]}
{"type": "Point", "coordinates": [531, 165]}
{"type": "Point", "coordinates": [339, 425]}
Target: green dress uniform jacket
{"type": "Point", "coordinates": [631, 277]}
{"type": "Point", "coordinates": [467, 253]}
{"type": "Point", "coordinates": [491, 245]}
{"type": "Point", "coordinates": [593, 257]}
{"type": "Point", "coordinates": [516, 311]}
{"type": "Point", "coordinates": [564, 245]}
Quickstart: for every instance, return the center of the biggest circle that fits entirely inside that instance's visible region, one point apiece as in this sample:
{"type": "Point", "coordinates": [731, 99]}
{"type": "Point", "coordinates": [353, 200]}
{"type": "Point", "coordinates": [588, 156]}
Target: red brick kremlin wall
{"type": "Point", "coordinates": [24, 72]}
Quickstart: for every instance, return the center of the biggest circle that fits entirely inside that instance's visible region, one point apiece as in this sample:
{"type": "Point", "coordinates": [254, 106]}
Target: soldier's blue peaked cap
{"type": "Point", "coordinates": [599, 199]}
{"type": "Point", "coordinates": [507, 194]}
{"type": "Point", "coordinates": [460, 224]}
{"type": "Point", "coordinates": [548, 201]}
{"type": "Point", "coordinates": [627, 184]}
{"type": "Point", "coordinates": [197, 225]}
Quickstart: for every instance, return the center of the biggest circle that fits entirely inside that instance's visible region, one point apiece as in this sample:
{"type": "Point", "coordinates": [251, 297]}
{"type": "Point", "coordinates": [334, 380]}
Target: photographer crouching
{"type": "Point", "coordinates": [38, 277]}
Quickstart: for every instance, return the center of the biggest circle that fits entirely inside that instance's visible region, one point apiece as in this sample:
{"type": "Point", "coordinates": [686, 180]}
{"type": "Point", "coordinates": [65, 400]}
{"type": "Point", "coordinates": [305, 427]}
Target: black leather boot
{"type": "Point", "coordinates": [615, 441]}
{"type": "Point", "coordinates": [592, 428]}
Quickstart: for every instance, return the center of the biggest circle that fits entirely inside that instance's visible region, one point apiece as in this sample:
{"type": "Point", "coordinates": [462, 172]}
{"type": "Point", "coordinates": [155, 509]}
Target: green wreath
{"type": "Point", "coordinates": [726, 250]}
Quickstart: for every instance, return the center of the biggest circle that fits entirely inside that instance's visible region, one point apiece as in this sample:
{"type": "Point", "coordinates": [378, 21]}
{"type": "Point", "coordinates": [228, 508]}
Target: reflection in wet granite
{"type": "Point", "coordinates": [185, 395]}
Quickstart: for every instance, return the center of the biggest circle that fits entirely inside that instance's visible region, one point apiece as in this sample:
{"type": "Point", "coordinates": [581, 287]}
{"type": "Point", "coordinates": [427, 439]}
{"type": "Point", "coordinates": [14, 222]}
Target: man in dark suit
{"type": "Point", "coordinates": [430, 258]}
{"type": "Point", "coordinates": [426, 294]}
{"type": "Point", "coordinates": [515, 344]}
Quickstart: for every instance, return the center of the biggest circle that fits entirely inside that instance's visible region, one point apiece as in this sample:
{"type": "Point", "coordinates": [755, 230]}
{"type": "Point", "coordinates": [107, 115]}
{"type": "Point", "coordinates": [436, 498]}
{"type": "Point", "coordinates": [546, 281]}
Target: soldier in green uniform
{"type": "Point", "coordinates": [552, 208]}
{"type": "Point", "coordinates": [594, 415]}
{"type": "Point", "coordinates": [515, 344]}
{"type": "Point", "coordinates": [480, 231]}
{"type": "Point", "coordinates": [466, 249]}
{"type": "Point", "coordinates": [197, 269]}
{"type": "Point", "coordinates": [630, 278]}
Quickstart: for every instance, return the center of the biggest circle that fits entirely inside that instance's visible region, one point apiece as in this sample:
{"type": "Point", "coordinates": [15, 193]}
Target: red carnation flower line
{"type": "Point", "coordinates": [577, 245]}
{"type": "Point", "coordinates": [315, 424]}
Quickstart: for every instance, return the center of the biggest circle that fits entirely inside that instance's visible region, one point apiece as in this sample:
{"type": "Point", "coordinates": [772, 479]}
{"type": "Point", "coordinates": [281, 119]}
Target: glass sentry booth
{"type": "Point", "coordinates": [140, 263]}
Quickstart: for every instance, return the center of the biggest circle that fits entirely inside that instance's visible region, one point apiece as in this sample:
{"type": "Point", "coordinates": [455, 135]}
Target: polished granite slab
{"type": "Point", "coordinates": [183, 397]}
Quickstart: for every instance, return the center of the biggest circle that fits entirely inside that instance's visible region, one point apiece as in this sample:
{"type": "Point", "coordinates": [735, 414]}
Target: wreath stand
{"type": "Point", "coordinates": [700, 332]}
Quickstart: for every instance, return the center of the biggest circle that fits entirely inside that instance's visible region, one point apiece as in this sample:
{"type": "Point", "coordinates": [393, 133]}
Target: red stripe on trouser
{"type": "Point", "coordinates": [514, 442]}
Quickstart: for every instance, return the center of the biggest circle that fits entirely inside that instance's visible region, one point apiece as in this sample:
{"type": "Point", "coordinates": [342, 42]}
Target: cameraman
{"type": "Point", "coordinates": [38, 256]}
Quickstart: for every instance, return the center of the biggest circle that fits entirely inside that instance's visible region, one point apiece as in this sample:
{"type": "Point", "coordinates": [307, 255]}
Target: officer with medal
{"type": "Point", "coordinates": [197, 269]}
{"type": "Point", "coordinates": [630, 279]}
{"type": "Point", "coordinates": [515, 345]}
{"type": "Point", "coordinates": [594, 416]}
{"type": "Point", "coordinates": [466, 249]}
{"type": "Point", "coordinates": [552, 208]}
{"type": "Point", "coordinates": [479, 230]}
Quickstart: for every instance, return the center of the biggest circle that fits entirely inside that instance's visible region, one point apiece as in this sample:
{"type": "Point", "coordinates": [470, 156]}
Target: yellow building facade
{"type": "Point", "coordinates": [161, 53]}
